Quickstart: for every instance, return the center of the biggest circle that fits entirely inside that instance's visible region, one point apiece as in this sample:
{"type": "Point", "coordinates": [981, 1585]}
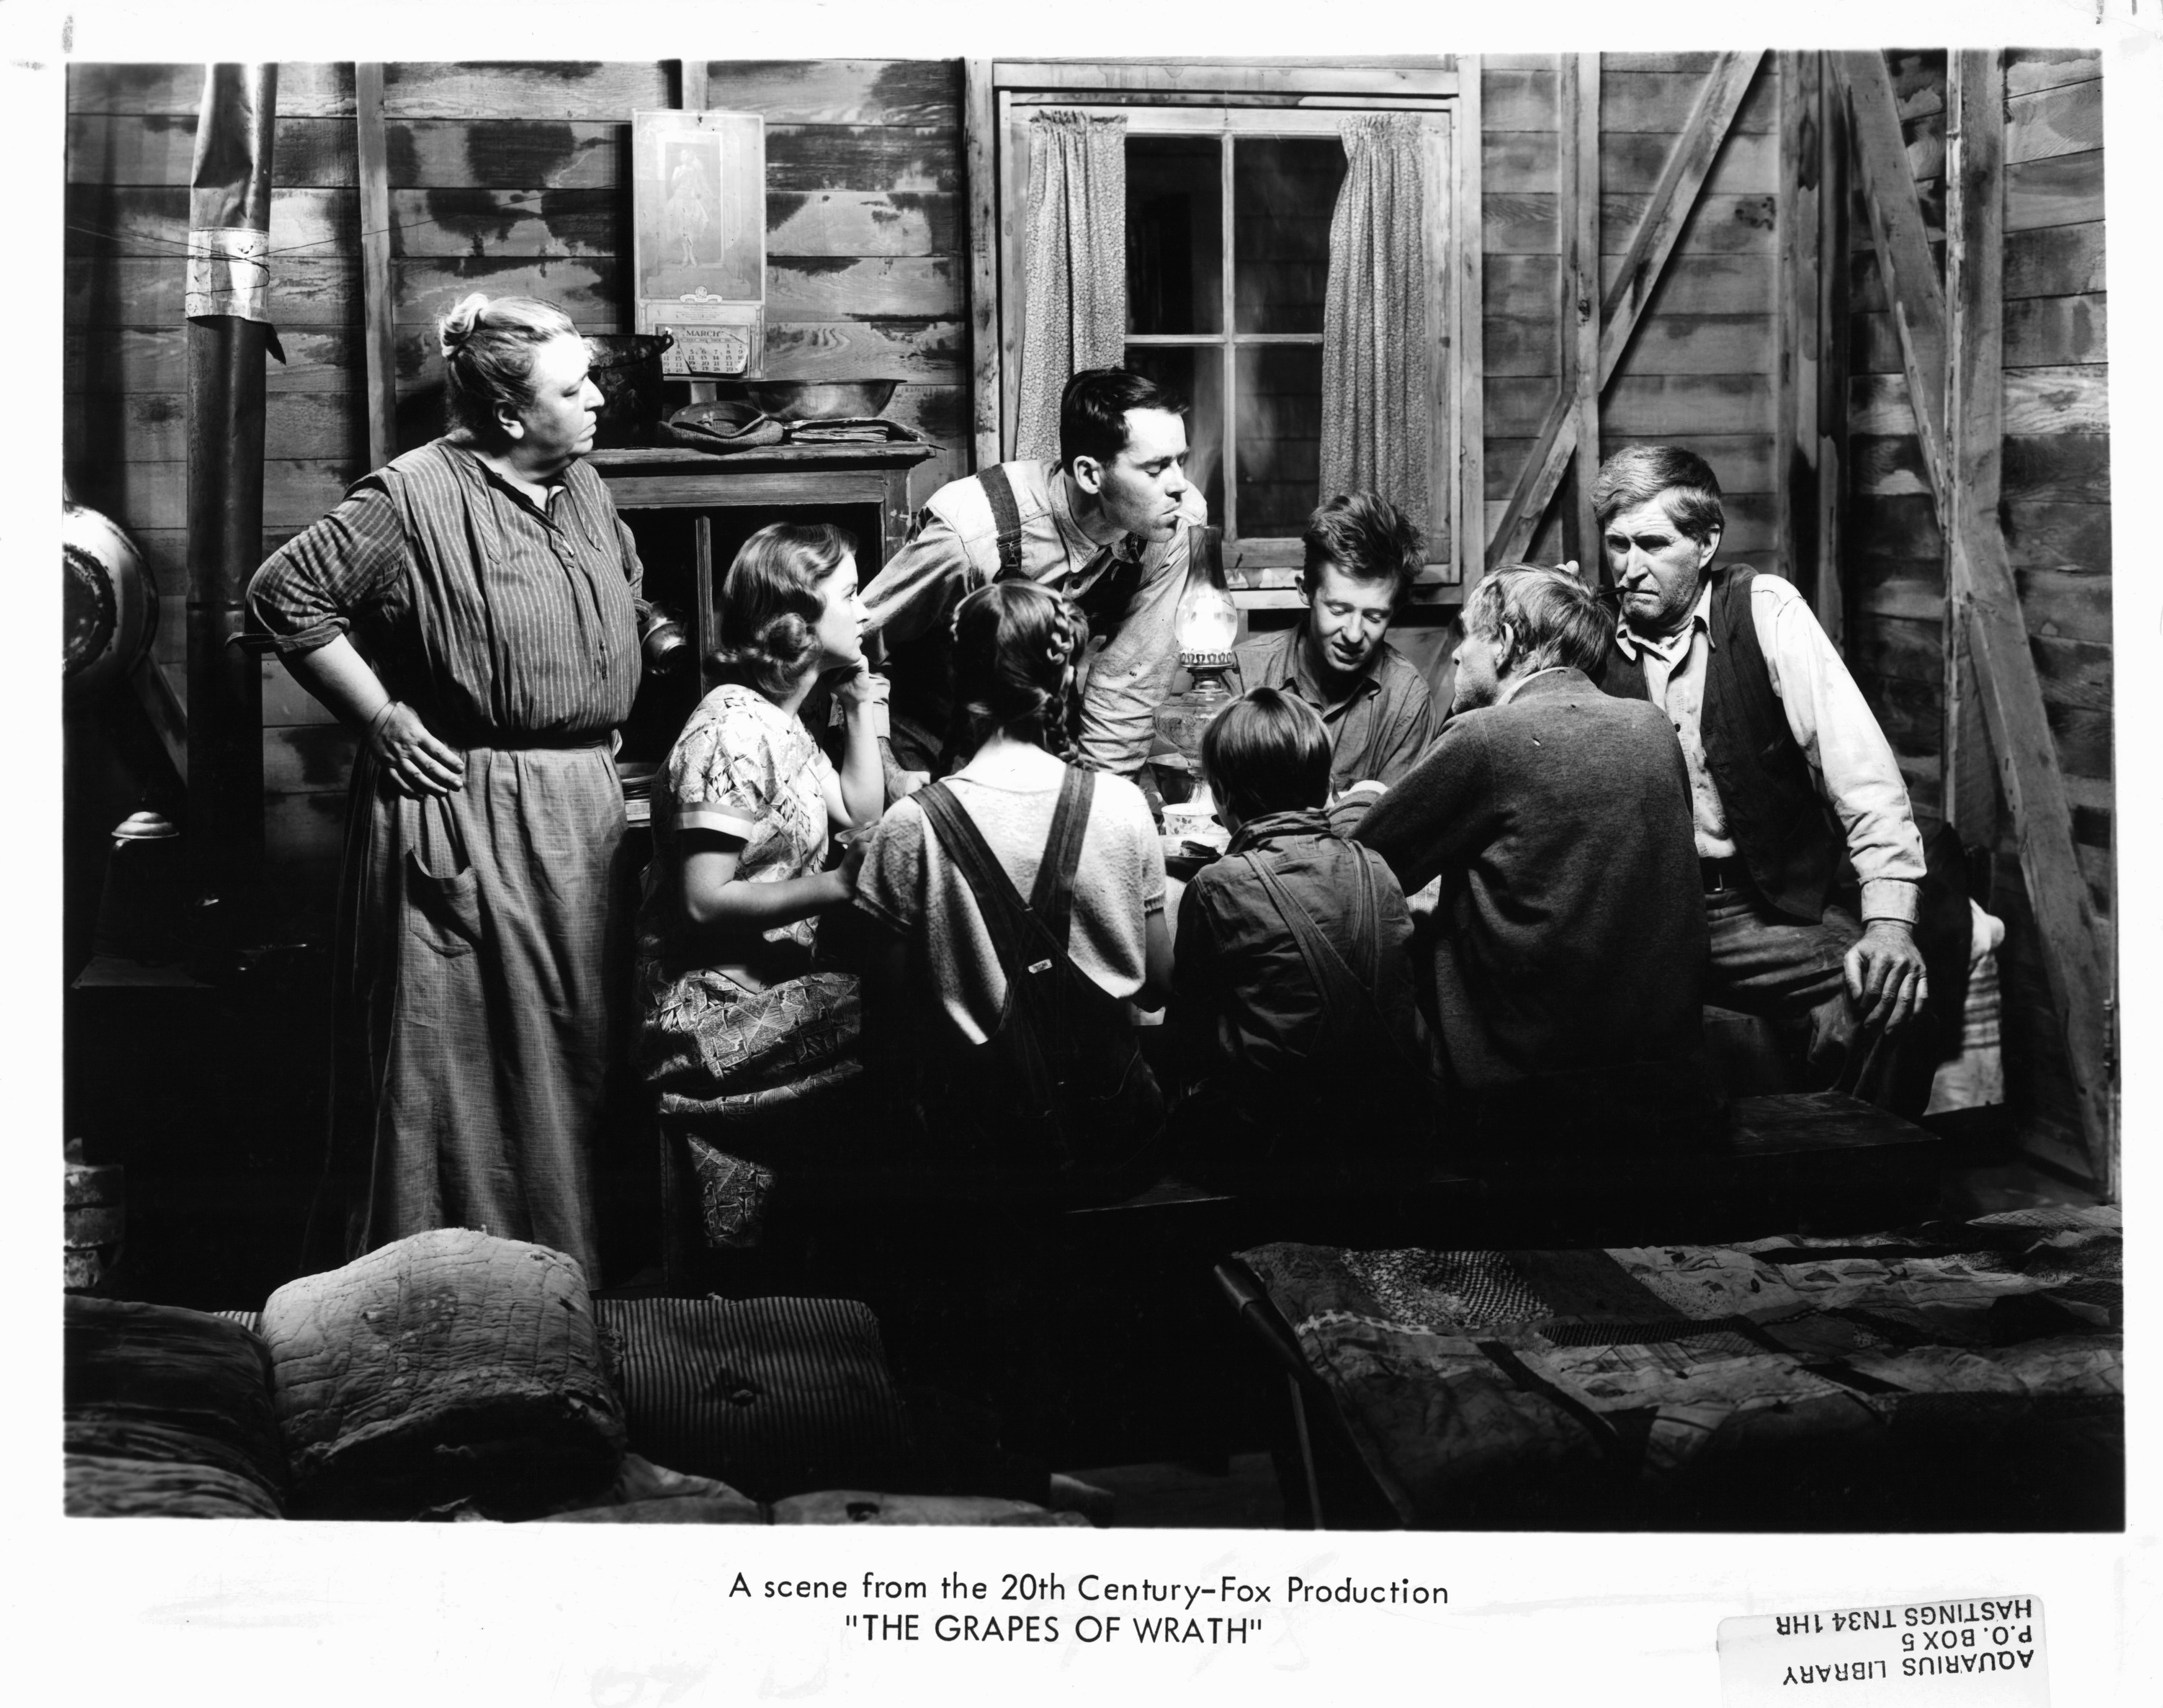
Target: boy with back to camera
{"type": "Point", "coordinates": [1292, 1003]}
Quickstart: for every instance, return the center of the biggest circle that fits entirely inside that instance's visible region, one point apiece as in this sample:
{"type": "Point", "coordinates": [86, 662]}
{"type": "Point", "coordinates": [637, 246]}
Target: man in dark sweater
{"type": "Point", "coordinates": [1795, 792]}
{"type": "Point", "coordinates": [1570, 946]}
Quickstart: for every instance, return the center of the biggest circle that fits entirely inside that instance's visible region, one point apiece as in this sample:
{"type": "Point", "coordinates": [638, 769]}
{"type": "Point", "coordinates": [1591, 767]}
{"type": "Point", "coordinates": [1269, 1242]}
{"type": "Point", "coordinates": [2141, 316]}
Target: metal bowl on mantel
{"type": "Point", "coordinates": [821, 400]}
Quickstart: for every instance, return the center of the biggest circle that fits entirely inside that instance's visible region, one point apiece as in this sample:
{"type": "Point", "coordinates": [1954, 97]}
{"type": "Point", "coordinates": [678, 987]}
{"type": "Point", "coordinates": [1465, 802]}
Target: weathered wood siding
{"type": "Point", "coordinates": [131, 147]}
{"type": "Point", "coordinates": [502, 178]}
{"type": "Point", "coordinates": [1702, 365]}
{"type": "Point", "coordinates": [509, 177]}
{"type": "Point", "coordinates": [2056, 505]}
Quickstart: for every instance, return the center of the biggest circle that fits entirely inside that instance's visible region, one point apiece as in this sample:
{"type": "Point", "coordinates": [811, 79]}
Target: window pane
{"type": "Point", "coordinates": [1174, 235]}
{"type": "Point", "coordinates": [1284, 190]}
{"type": "Point", "coordinates": [1197, 376]}
{"type": "Point", "coordinates": [1279, 438]}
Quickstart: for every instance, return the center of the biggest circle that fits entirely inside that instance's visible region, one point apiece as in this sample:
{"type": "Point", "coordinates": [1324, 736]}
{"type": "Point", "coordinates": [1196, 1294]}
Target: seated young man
{"type": "Point", "coordinates": [1570, 939]}
{"type": "Point", "coordinates": [1292, 1000]}
{"type": "Point", "coordinates": [1361, 554]}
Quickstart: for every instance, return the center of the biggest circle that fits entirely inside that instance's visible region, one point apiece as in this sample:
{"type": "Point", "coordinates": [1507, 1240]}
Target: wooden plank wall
{"type": "Point", "coordinates": [2055, 506]}
{"type": "Point", "coordinates": [511, 178]}
{"type": "Point", "coordinates": [131, 140]}
{"type": "Point", "coordinates": [1702, 366]}
{"type": "Point", "coordinates": [503, 178]}
{"type": "Point", "coordinates": [131, 148]}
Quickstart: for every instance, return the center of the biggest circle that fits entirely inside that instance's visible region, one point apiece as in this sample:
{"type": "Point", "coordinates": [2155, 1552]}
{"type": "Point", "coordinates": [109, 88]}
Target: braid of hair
{"type": "Point", "coordinates": [1016, 645]}
{"type": "Point", "coordinates": [1062, 707]}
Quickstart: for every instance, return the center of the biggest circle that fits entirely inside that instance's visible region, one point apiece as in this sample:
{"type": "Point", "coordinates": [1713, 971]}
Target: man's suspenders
{"type": "Point", "coordinates": [1006, 516]}
{"type": "Point", "coordinates": [1107, 599]}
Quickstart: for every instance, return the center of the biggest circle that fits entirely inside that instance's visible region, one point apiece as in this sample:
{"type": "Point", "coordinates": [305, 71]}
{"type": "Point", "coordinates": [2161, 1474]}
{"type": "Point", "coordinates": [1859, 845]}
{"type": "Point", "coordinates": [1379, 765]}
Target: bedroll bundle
{"type": "Point", "coordinates": [451, 1366]}
{"type": "Point", "coordinates": [168, 1412]}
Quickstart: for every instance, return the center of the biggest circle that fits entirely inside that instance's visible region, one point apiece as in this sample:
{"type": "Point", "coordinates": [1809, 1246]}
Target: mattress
{"type": "Point", "coordinates": [1962, 1376]}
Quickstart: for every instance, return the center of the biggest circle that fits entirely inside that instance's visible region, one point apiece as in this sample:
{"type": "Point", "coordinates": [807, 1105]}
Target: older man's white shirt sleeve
{"type": "Point", "coordinates": [1836, 729]}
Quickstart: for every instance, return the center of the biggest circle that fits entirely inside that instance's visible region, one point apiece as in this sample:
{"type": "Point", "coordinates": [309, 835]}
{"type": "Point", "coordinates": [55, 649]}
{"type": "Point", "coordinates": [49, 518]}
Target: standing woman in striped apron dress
{"type": "Point", "coordinates": [471, 609]}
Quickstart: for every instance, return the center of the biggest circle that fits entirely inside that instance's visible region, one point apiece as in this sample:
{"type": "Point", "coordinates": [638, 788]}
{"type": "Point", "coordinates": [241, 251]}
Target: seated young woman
{"type": "Point", "coordinates": [1020, 911]}
{"type": "Point", "coordinates": [750, 1042]}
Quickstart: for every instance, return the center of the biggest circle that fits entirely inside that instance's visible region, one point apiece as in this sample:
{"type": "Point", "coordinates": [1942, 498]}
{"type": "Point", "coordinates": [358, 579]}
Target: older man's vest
{"type": "Point", "coordinates": [1789, 839]}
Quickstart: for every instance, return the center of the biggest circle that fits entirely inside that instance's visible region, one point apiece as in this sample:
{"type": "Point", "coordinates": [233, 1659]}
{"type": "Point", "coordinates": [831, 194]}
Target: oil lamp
{"type": "Point", "coordinates": [1205, 625]}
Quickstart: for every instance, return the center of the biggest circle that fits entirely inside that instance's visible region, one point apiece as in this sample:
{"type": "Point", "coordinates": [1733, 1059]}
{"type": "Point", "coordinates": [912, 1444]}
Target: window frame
{"type": "Point", "coordinates": [1231, 101]}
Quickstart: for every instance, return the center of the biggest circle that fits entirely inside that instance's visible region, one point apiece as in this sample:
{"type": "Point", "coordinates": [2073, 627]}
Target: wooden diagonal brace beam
{"type": "Point", "coordinates": [1975, 404]}
{"type": "Point", "coordinates": [1672, 198]}
{"type": "Point", "coordinates": [1903, 252]}
{"type": "Point", "coordinates": [2066, 924]}
{"type": "Point", "coordinates": [2006, 679]}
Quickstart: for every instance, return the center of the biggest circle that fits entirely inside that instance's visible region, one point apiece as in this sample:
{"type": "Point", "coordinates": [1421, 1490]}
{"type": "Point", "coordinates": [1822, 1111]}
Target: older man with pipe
{"type": "Point", "coordinates": [1793, 788]}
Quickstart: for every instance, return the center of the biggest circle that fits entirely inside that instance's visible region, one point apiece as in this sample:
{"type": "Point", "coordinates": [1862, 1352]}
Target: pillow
{"type": "Point", "coordinates": [449, 1366]}
{"type": "Point", "coordinates": [168, 1413]}
{"type": "Point", "coordinates": [772, 1396]}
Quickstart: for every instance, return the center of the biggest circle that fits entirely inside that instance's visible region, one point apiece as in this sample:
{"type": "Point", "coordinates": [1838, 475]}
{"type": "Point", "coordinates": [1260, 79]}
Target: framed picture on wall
{"type": "Point", "coordinates": [699, 237]}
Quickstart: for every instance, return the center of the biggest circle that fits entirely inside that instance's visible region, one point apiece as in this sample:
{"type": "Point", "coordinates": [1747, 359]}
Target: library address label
{"type": "Point", "coordinates": [1971, 1652]}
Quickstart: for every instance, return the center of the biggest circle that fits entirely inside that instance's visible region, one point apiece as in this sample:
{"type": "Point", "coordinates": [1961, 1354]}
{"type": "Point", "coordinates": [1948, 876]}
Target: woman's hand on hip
{"type": "Point", "coordinates": [418, 764]}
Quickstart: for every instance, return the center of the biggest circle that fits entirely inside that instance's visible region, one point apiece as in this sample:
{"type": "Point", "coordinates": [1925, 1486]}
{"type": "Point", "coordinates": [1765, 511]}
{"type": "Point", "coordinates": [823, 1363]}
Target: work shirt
{"type": "Point", "coordinates": [532, 638]}
{"type": "Point", "coordinates": [1827, 716]}
{"type": "Point", "coordinates": [1378, 728]}
{"type": "Point", "coordinates": [953, 549]}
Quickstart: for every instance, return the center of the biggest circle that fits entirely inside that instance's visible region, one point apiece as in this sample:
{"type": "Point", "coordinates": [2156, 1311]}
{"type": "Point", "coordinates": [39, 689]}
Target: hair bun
{"type": "Point", "coordinates": [457, 326]}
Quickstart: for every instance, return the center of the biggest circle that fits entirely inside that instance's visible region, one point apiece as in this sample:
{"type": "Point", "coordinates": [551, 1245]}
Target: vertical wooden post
{"type": "Point", "coordinates": [1975, 408]}
{"type": "Point", "coordinates": [1579, 203]}
{"type": "Point", "coordinates": [377, 301]}
{"type": "Point", "coordinates": [1828, 574]}
{"type": "Point", "coordinates": [705, 635]}
{"type": "Point", "coordinates": [1470, 386]}
{"type": "Point", "coordinates": [1801, 331]}
{"type": "Point", "coordinates": [980, 134]}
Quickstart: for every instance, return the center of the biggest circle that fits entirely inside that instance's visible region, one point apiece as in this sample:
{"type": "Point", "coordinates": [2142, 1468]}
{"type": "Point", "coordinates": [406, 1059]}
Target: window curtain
{"type": "Point", "coordinates": [1076, 268]}
{"type": "Point", "coordinates": [1375, 400]}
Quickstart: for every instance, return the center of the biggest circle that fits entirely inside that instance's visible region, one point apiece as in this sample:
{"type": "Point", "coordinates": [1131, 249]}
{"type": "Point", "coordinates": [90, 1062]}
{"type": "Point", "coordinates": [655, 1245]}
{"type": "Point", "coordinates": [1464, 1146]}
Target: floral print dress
{"type": "Point", "coordinates": [744, 1044]}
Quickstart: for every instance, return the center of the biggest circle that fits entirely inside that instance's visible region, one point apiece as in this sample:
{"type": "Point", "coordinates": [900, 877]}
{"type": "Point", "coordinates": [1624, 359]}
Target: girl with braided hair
{"type": "Point", "coordinates": [1080, 845]}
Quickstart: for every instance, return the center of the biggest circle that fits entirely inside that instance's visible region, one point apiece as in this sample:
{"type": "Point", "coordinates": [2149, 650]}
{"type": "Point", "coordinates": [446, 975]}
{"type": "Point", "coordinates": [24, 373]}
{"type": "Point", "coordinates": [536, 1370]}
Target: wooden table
{"type": "Point", "coordinates": [774, 478]}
